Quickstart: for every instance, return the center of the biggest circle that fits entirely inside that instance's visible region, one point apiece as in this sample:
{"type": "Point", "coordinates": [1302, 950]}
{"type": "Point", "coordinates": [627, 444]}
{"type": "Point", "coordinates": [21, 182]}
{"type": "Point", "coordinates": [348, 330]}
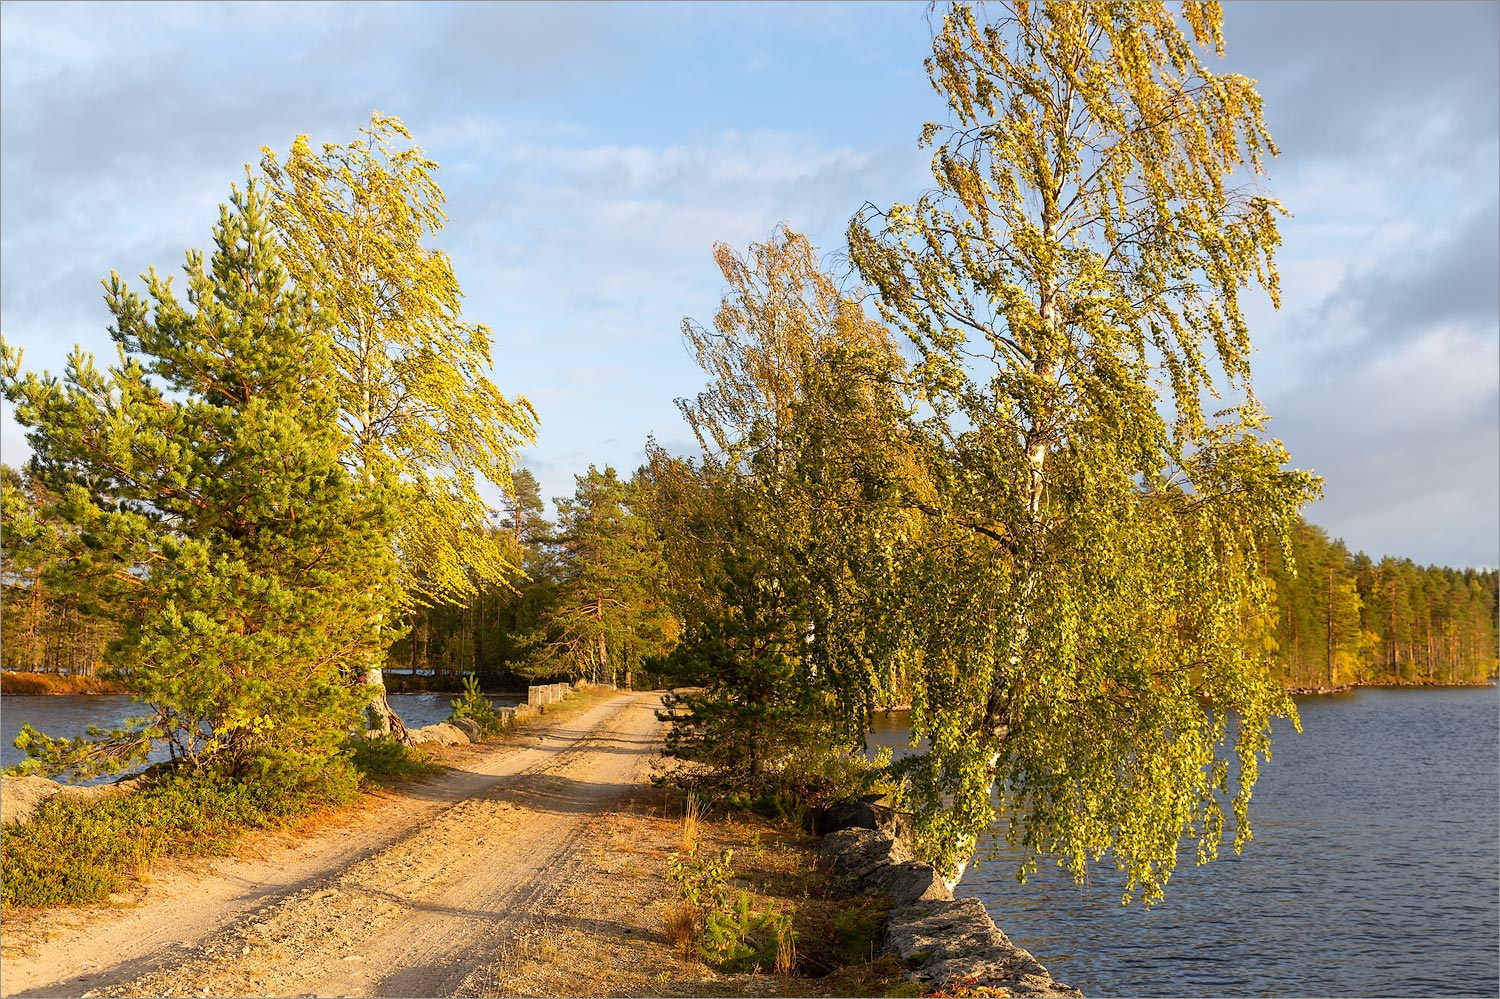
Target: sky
{"type": "Point", "coordinates": [593, 154]}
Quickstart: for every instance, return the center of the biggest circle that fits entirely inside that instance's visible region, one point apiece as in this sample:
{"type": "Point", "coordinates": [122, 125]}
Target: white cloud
{"type": "Point", "coordinates": [591, 159]}
{"type": "Point", "coordinates": [1407, 444]}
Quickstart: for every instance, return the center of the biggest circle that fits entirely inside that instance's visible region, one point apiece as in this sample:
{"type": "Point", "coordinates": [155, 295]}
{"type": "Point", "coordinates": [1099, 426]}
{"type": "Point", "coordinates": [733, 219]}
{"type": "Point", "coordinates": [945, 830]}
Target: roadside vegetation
{"type": "Point", "coordinates": [628, 927]}
{"type": "Point", "coordinates": [75, 853]}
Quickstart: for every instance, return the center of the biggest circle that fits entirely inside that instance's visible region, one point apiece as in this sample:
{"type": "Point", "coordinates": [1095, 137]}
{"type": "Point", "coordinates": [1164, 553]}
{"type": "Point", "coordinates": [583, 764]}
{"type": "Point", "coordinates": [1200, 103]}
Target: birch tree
{"type": "Point", "coordinates": [1073, 293]}
{"type": "Point", "coordinates": [415, 397]}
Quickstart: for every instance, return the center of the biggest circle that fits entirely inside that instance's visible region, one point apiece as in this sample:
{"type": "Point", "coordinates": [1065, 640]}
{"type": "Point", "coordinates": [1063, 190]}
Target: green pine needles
{"type": "Point", "coordinates": [199, 491]}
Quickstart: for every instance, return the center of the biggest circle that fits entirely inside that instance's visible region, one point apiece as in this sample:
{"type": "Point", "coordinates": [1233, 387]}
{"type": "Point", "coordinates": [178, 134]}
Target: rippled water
{"type": "Point", "coordinates": [1374, 871]}
{"type": "Point", "coordinates": [71, 716]}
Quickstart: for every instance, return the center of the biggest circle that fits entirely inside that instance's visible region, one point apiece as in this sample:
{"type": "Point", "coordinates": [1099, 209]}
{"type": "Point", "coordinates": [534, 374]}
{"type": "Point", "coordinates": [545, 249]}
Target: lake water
{"type": "Point", "coordinates": [71, 716]}
{"type": "Point", "coordinates": [1374, 871]}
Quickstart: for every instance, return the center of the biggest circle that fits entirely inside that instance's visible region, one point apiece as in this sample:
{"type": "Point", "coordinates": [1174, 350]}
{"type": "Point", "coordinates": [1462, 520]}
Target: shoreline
{"type": "Point", "coordinates": [21, 683]}
{"type": "Point", "coordinates": [24, 683]}
{"type": "Point", "coordinates": [1345, 688]}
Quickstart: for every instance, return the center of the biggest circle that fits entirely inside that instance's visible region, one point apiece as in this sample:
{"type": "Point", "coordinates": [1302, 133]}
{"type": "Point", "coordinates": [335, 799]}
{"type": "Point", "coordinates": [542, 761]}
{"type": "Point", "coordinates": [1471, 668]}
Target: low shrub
{"type": "Point", "coordinates": [788, 789]}
{"type": "Point", "coordinates": [730, 935]}
{"type": "Point", "coordinates": [859, 928]}
{"type": "Point", "coordinates": [80, 853]}
{"type": "Point", "coordinates": [385, 761]}
{"type": "Point", "coordinates": [474, 706]}
{"type": "Point", "coordinates": [737, 938]}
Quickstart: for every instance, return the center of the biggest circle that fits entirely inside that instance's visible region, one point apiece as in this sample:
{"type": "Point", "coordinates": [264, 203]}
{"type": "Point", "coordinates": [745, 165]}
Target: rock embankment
{"type": "Point", "coordinates": [942, 940]}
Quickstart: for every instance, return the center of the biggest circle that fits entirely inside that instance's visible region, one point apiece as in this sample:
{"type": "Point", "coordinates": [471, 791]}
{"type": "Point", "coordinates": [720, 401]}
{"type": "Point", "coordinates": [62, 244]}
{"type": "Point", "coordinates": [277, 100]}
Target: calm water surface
{"type": "Point", "coordinates": [1374, 871]}
{"type": "Point", "coordinates": [71, 716]}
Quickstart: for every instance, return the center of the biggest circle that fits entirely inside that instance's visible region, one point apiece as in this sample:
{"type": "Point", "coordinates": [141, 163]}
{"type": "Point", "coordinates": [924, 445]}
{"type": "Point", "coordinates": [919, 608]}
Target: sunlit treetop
{"type": "Point", "coordinates": [414, 387]}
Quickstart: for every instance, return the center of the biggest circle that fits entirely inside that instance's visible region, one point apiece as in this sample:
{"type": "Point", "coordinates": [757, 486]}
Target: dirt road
{"type": "Point", "coordinates": [411, 897]}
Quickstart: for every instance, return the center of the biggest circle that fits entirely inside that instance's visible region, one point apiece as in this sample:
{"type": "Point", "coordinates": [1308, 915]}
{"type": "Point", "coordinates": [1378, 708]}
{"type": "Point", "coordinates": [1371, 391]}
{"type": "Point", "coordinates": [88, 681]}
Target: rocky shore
{"type": "Point", "coordinates": [944, 942]}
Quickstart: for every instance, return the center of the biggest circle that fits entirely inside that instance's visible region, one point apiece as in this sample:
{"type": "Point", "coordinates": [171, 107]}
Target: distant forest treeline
{"type": "Point", "coordinates": [1345, 618]}
{"type": "Point", "coordinates": [590, 605]}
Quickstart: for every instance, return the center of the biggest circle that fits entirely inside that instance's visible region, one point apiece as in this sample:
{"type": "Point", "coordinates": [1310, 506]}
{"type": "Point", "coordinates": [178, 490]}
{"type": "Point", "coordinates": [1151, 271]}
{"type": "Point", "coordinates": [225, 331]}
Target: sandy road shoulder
{"type": "Point", "coordinates": [400, 900]}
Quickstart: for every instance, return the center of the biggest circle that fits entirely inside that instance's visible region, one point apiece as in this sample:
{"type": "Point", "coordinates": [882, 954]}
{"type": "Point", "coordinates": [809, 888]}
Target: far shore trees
{"type": "Point", "coordinates": [1072, 292]}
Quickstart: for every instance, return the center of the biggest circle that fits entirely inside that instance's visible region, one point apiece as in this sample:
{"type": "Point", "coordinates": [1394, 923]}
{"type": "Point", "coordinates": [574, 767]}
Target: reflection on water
{"type": "Point", "coordinates": [71, 716]}
{"type": "Point", "coordinates": [1374, 871]}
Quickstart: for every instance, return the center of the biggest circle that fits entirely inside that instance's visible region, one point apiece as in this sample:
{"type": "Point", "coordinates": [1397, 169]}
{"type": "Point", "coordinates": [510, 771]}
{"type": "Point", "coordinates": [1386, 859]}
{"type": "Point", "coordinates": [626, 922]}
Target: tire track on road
{"type": "Point", "coordinates": [378, 911]}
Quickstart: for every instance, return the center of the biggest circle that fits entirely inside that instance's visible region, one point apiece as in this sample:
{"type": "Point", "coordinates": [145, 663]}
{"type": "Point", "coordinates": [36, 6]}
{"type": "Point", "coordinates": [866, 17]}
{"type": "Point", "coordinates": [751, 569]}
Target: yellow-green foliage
{"type": "Point", "coordinates": [730, 935]}
{"type": "Point", "coordinates": [1095, 535]}
{"type": "Point", "coordinates": [414, 397]}
{"type": "Point", "coordinates": [198, 496]}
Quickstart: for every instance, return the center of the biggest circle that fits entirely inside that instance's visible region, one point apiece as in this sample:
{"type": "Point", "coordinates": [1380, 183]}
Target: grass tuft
{"type": "Point", "coordinates": [691, 816]}
{"type": "Point", "coordinates": [680, 927]}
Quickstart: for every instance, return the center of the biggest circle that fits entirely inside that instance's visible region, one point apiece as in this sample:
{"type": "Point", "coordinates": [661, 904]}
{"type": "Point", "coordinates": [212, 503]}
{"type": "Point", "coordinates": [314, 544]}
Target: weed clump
{"type": "Point", "coordinates": [729, 934]}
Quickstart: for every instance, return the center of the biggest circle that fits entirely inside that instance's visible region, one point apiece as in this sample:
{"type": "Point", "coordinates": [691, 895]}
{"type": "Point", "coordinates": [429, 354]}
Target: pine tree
{"type": "Point", "coordinates": [608, 616]}
{"type": "Point", "coordinates": [780, 561]}
{"type": "Point", "coordinates": [200, 481]}
{"type": "Point", "coordinates": [54, 620]}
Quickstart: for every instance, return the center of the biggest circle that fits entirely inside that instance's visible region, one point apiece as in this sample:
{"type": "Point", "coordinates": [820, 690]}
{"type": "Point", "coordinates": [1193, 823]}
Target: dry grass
{"type": "Point", "coordinates": [786, 951]}
{"type": "Point", "coordinates": [26, 684]}
{"type": "Point", "coordinates": [680, 927]}
{"type": "Point", "coordinates": [575, 704]}
{"type": "Point", "coordinates": [690, 820]}
{"type": "Point", "coordinates": [621, 927]}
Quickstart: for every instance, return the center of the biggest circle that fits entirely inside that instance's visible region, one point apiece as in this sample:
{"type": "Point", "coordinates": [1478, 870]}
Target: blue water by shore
{"type": "Point", "coordinates": [71, 716]}
{"type": "Point", "coordinates": [1374, 871]}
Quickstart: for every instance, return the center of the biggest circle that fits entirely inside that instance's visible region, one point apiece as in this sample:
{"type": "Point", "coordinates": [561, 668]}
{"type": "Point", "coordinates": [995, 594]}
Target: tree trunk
{"type": "Point", "coordinates": [378, 711]}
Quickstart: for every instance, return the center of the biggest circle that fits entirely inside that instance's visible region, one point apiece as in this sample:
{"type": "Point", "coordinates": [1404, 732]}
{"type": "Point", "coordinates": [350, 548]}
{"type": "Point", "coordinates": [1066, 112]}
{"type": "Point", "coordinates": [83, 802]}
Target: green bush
{"type": "Point", "coordinates": [858, 928]}
{"type": "Point", "coordinates": [386, 761]}
{"type": "Point", "coordinates": [703, 881]}
{"type": "Point", "coordinates": [477, 708]}
{"type": "Point", "coordinates": [731, 936]}
{"type": "Point", "coordinates": [791, 786]}
{"type": "Point", "coordinates": [79, 853]}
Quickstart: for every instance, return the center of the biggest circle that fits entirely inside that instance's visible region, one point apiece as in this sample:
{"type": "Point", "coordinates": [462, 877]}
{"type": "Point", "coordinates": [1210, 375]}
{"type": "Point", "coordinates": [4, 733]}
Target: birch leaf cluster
{"type": "Point", "coordinates": [413, 385]}
{"type": "Point", "coordinates": [1071, 292]}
